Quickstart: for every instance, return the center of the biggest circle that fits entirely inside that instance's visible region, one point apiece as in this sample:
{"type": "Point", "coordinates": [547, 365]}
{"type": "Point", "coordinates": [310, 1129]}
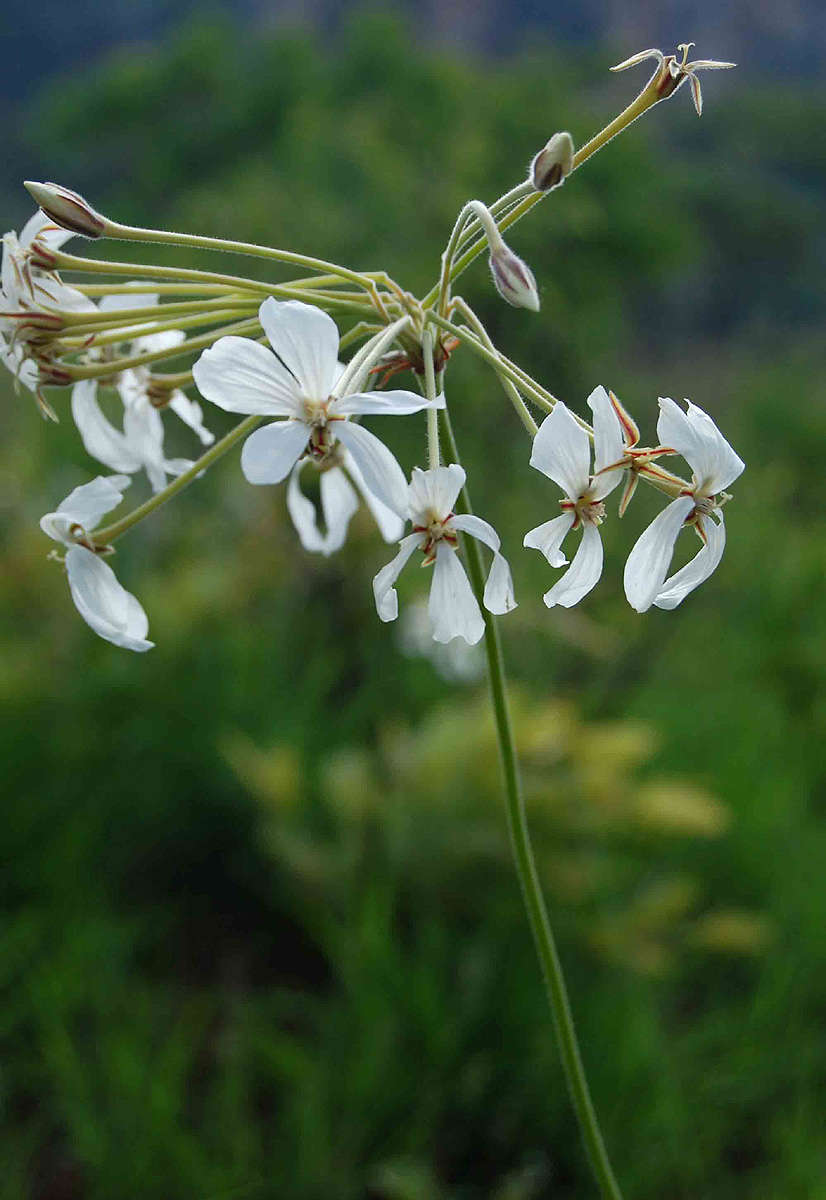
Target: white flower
{"type": "Point", "coordinates": [105, 606]}
{"type": "Point", "coordinates": [297, 383]}
{"type": "Point", "coordinates": [31, 298]}
{"type": "Point", "coordinates": [339, 501]}
{"type": "Point", "coordinates": [562, 451]}
{"type": "Point", "coordinates": [453, 609]}
{"type": "Point", "coordinates": [715, 465]}
{"type": "Point", "coordinates": [672, 73]}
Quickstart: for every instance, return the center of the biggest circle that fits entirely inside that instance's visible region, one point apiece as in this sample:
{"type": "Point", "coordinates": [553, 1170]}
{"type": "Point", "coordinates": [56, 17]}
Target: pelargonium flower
{"type": "Point", "coordinates": [298, 384]}
{"type": "Point", "coordinates": [715, 465]}
{"type": "Point", "coordinates": [562, 451]}
{"type": "Point", "coordinates": [673, 72]}
{"type": "Point", "coordinates": [111, 611]}
{"type": "Point", "coordinates": [340, 486]}
{"type": "Point", "coordinates": [452, 607]}
{"type": "Point", "coordinates": [31, 298]}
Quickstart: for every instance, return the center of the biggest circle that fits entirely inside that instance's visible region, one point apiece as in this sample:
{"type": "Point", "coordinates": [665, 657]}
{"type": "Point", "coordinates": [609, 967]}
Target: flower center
{"type": "Point", "coordinates": [435, 529]}
{"type": "Point", "coordinates": [586, 511]}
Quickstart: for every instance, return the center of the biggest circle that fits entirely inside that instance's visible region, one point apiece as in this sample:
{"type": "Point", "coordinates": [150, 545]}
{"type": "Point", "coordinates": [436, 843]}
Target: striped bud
{"type": "Point", "coordinates": [553, 162]}
{"type": "Point", "coordinates": [67, 209]}
{"type": "Point", "coordinates": [513, 278]}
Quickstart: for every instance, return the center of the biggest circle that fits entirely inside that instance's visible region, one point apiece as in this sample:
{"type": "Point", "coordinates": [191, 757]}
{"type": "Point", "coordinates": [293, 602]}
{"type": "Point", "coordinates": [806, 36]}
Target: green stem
{"type": "Point", "coordinates": [103, 537]}
{"type": "Point", "coordinates": [526, 870]}
{"type": "Point", "coordinates": [103, 370]}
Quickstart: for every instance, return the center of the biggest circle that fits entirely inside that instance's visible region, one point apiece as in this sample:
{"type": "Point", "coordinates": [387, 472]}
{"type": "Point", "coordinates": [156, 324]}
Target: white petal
{"type": "Point", "coordinates": [116, 301]}
{"type": "Point", "coordinates": [452, 607]}
{"type": "Point", "coordinates": [387, 599]}
{"type": "Point", "coordinates": [270, 452]}
{"type": "Point", "coordinates": [498, 595]}
{"type": "Point", "coordinates": [434, 492]}
{"type": "Point", "coordinates": [638, 58]}
{"type": "Point", "coordinates": [44, 229]}
{"type": "Point", "coordinates": [703, 564]}
{"type": "Point", "coordinates": [583, 573]}
{"type": "Point", "coordinates": [695, 436]}
{"type": "Point", "coordinates": [385, 403]}
{"type": "Point", "coordinates": [382, 474]}
{"type": "Point", "coordinates": [99, 436]}
{"type": "Point", "coordinates": [562, 451]}
{"type": "Point", "coordinates": [143, 427]}
{"type": "Point", "coordinates": [391, 525]}
{"type": "Point", "coordinates": [165, 339]}
{"type": "Point", "coordinates": [710, 64]}
{"type": "Point", "coordinates": [338, 503]}
{"type": "Point", "coordinates": [191, 414]}
{"type": "Point", "coordinates": [241, 376]}
{"type": "Point", "coordinates": [649, 560]}
{"type": "Point", "coordinates": [477, 528]}
{"type": "Point", "coordinates": [306, 341]}
{"type": "Point", "coordinates": [609, 446]}
{"type": "Point", "coordinates": [85, 506]}
{"type": "Point", "coordinates": [723, 464]}
{"type": "Point", "coordinates": [108, 608]}
{"type": "Point", "coordinates": [548, 538]}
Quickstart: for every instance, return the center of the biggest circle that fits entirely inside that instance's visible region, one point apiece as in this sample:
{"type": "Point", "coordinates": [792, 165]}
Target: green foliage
{"type": "Point", "coordinates": [262, 937]}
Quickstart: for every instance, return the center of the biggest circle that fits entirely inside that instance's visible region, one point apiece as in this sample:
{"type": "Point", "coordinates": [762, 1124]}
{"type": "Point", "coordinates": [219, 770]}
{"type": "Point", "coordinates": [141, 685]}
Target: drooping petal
{"type": "Point", "coordinates": [191, 413]}
{"type": "Point", "coordinates": [391, 525]}
{"type": "Point", "coordinates": [452, 606]}
{"type": "Point", "coordinates": [562, 451]}
{"type": "Point", "coordinates": [386, 596]}
{"type": "Point", "coordinates": [609, 445]}
{"type": "Point", "coordinates": [382, 474]}
{"type": "Point", "coordinates": [269, 453]}
{"type": "Point", "coordinates": [384, 403]}
{"type": "Point", "coordinates": [241, 376]}
{"type": "Point", "coordinates": [306, 341]}
{"type": "Point", "coordinates": [638, 58]}
{"type": "Point", "coordinates": [548, 538]}
{"type": "Point", "coordinates": [498, 595]}
{"type": "Point", "coordinates": [649, 560]}
{"type": "Point", "coordinates": [696, 94]}
{"type": "Point", "coordinates": [703, 564]}
{"type": "Point", "coordinates": [434, 492]}
{"type": "Point", "coordinates": [143, 427]}
{"type": "Point", "coordinates": [583, 573]}
{"type": "Point", "coordinates": [85, 506]}
{"type": "Point", "coordinates": [99, 436]}
{"type": "Point", "coordinates": [695, 436]}
{"type": "Point", "coordinates": [106, 606]}
{"type": "Point", "coordinates": [338, 503]}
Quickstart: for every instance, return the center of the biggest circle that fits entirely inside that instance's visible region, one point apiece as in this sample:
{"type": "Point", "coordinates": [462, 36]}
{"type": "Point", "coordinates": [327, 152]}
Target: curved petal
{"type": "Point", "coordinates": [191, 413]}
{"type": "Point", "coordinates": [498, 595]}
{"type": "Point", "coordinates": [648, 562]}
{"type": "Point", "coordinates": [99, 436]}
{"type": "Point", "coordinates": [434, 492]}
{"type": "Point", "coordinates": [583, 573]}
{"type": "Point", "coordinates": [562, 451]}
{"type": "Point", "coordinates": [548, 538]}
{"type": "Point", "coordinates": [143, 427]}
{"type": "Point", "coordinates": [703, 564]}
{"type": "Point", "coordinates": [241, 376]}
{"type": "Point", "coordinates": [85, 506]}
{"type": "Point", "coordinates": [386, 596]}
{"type": "Point", "coordinates": [609, 445]}
{"type": "Point", "coordinates": [384, 403]}
{"type": "Point", "coordinates": [111, 611]}
{"type": "Point", "coordinates": [271, 451]}
{"type": "Point", "coordinates": [476, 527]}
{"type": "Point", "coordinates": [382, 474]}
{"type": "Point", "coordinates": [452, 606]}
{"type": "Point", "coordinates": [44, 229]}
{"type": "Point", "coordinates": [723, 465]}
{"type": "Point", "coordinates": [338, 503]}
{"type": "Point", "coordinates": [391, 525]}
{"type": "Point", "coordinates": [306, 341]}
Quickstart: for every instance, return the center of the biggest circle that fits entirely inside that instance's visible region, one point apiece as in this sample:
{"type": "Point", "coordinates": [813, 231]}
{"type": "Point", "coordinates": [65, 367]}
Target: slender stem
{"type": "Point", "coordinates": [508, 385]}
{"type": "Point", "coordinates": [354, 374]}
{"type": "Point", "coordinates": [528, 878]}
{"type": "Point", "coordinates": [103, 370]}
{"type": "Point", "coordinates": [433, 455]}
{"type": "Point", "coordinates": [103, 537]}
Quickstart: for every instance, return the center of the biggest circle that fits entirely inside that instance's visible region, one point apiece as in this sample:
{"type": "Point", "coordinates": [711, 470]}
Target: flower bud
{"type": "Point", "coordinates": [67, 209]}
{"type": "Point", "coordinates": [513, 278]}
{"type": "Point", "coordinates": [553, 162]}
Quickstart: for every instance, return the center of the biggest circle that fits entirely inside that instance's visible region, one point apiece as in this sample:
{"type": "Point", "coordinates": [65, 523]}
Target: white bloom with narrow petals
{"type": "Point", "coordinates": [106, 606]}
{"type": "Point", "coordinates": [715, 466]}
{"type": "Point", "coordinates": [452, 608]}
{"type": "Point", "coordinates": [562, 451]}
{"type": "Point", "coordinates": [672, 72]}
{"type": "Point", "coordinates": [340, 486]}
{"type": "Point", "coordinates": [297, 384]}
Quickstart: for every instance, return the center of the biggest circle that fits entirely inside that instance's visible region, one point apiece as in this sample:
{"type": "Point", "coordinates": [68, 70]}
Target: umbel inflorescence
{"type": "Point", "coordinates": [304, 361]}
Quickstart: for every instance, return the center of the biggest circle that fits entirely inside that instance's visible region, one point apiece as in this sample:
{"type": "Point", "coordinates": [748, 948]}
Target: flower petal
{"type": "Point", "coordinates": [338, 503]}
{"type": "Point", "coordinates": [695, 436]}
{"type": "Point", "coordinates": [434, 492]}
{"type": "Point", "coordinates": [191, 413]}
{"type": "Point", "coordinates": [562, 451]}
{"type": "Point", "coordinates": [638, 58]}
{"type": "Point", "coordinates": [498, 595]}
{"type": "Point", "coordinates": [386, 596]}
{"type": "Point", "coordinates": [270, 452]}
{"type": "Point", "coordinates": [384, 403]}
{"type": "Point", "coordinates": [583, 573]}
{"type": "Point", "coordinates": [703, 564]}
{"type": "Point", "coordinates": [382, 474]}
{"type": "Point", "coordinates": [648, 562]}
{"type": "Point", "coordinates": [99, 436]}
{"type": "Point", "coordinates": [306, 341]}
{"type": "Point", "coordinates": [548, 538]}
{"type": "Point", "coordinates": [241, 376]}
{"type": "Point", "coordinates": [452, 606]}
{"type": "Point", "coordinates": [143, 427]}
{"type": "Point", "coordinates": [105, 606]}
{"type": "Point", "coordinates": [116, 301]}
{"type": "Point", "coordinates": [44, 229]}
{"type": "Point", "coordinates": [723, 464]}
{"type": "Point", "coordinates": [85, 506]}
{"type": "Point", "coordinates": [609, 444]}
{"type": "Point", "coordinates": [391, 525]}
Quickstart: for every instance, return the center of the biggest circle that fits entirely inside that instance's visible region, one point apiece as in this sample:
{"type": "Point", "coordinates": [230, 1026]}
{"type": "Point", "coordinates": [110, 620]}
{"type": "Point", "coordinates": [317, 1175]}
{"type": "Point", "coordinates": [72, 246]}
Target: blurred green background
{"type": "Point", "coordinates": [261, 932]}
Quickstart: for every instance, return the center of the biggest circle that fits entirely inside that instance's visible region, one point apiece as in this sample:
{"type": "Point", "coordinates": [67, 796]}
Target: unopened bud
{"type": "Point", "coordinates": [513, 278]}
{"type": "Point", "coordinates": [553, 162]}
{"type": "Point", "coordinates": [67, 209]}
